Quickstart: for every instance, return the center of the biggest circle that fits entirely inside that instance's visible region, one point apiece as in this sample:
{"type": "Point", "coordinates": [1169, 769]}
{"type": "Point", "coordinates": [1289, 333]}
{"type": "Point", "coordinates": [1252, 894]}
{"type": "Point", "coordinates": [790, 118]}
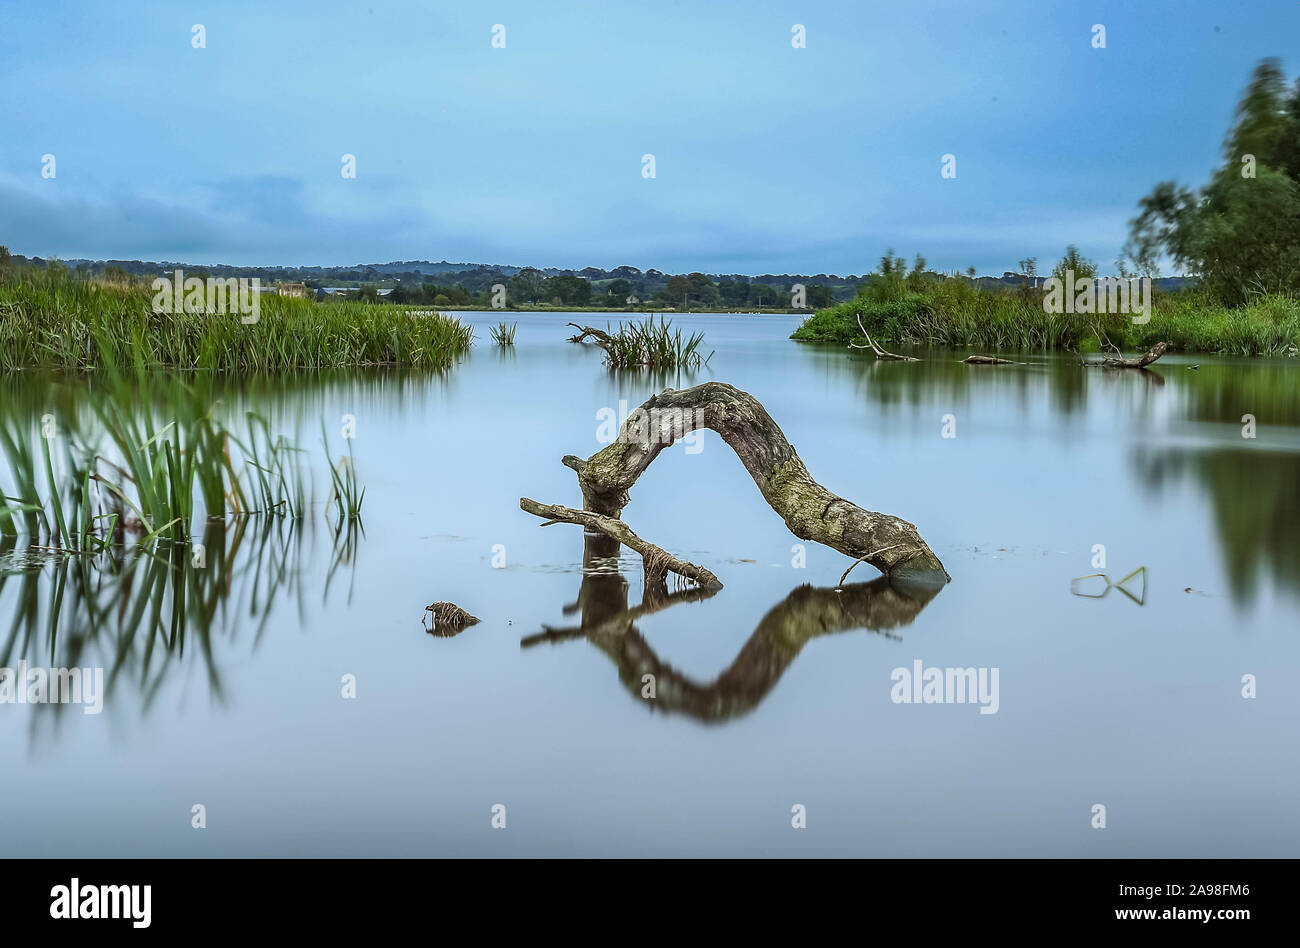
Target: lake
{"type": "Point", "coordinates": [774, 693]}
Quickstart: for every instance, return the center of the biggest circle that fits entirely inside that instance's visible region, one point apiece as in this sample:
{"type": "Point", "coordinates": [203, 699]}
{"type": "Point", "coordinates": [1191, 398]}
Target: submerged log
{"type": "Point", "coordinates": [987, 360]}
{"type": "Point", "coordinates": [1140, 362]}
{"type": "Point", "coordinates": [656, 561]}
{"type": "Point", "coordinates": [449, 619]}
{"type": "Point", "coordinates": [890, 544]}
{"type": "Point", "coordinates": [880, 353]}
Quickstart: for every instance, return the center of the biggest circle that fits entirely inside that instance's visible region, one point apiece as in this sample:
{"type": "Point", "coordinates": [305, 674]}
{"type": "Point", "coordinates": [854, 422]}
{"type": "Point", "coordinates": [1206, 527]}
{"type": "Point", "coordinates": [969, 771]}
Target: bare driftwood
{"type": "Point", "coordinates": [1142, 361]}
{"type": "Point", "coordinates": [449, 619]}
{"type": "Point", "coordinates": [656, 561]}
{"type": "Point", "coordinates": [602, 338]}
{"type": "Point", "coordinates": [1139, 362]}
{"type": "Point", "coordinates": [880, 353]}
{"type": "Point", "coordinates": [987, 360]}
{"type": "Point", "coordinates": [811, 512]}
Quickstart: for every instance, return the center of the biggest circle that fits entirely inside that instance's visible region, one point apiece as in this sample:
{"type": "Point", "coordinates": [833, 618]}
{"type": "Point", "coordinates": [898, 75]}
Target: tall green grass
{"type": "Point", "coordinates": [503, 334]}
{"type": "Point", "coordinates": [53, 319]}
{"type": "Point", "coordinates": [957, 314]}
{"type": "Point", "coordinates": [653, 344]}
{"type": "Point", "coordinates": [163, 469]}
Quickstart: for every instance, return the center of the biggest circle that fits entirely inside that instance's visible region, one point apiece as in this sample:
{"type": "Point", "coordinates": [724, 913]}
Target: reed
{"type": "Point", "coordinates": [503, 334]}
{"type": "Point", "coordinates": [954, 314]}
{"type": "Point", "coordinates": [148, 473]}
{"type": "Point", "coordinates": [53, 319]}
{"type": "Point", "coordinates": [653, 344]}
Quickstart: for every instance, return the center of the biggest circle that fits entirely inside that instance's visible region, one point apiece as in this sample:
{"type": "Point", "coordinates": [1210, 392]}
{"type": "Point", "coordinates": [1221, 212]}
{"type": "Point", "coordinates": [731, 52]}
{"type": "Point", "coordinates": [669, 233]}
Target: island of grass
{"type": "Point", "coordinates": [50, 318]}
{"type": "Point", "coordinates": [953, 312]}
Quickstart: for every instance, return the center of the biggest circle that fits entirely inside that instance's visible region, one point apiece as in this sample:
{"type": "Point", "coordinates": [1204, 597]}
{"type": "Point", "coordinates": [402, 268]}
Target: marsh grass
{"type": "Point", "coordinates": [164, 469]}
{"type": "Point", "coordinates": [503, 334]}
{"type": "Point", "coordinates": [654, 344]}
{"type": "Point", "coordinates": [956, 314]}
{"type": "Point", "coordinates": [346, 496]}
{"type": "Point", "coordinates": [50, 318]}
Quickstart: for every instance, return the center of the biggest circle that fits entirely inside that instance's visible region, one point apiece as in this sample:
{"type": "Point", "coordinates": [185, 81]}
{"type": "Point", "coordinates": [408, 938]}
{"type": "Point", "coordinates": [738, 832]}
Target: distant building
{"type": "Point", "coordinates": [298, 290]}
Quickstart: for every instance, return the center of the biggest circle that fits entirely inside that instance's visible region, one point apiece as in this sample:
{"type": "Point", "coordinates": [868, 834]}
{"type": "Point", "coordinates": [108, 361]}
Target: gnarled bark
{"type": "Point", "coordinates": [602, 338]}
{"type": "Point", "coordinates": [812, 512]}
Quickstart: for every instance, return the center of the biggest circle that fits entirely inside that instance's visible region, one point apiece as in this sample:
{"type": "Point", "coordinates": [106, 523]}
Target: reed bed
{"type": "Point", "coordinates": [653, 344]}
{"type": "Point", "coordinates": [162, 471]}
{"type": "Point", "coordinates": [52, 319]}
{"type": "Point", "coordinates": [953, 315]}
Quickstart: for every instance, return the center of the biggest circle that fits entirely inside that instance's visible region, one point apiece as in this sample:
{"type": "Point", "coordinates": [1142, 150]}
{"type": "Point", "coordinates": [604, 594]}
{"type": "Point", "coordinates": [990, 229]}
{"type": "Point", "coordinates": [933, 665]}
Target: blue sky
{"type": "Point", "coordinates": [768, 158]}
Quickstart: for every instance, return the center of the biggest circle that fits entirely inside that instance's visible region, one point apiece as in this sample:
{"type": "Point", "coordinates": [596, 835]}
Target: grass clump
{"type": "Point", "coordinates": [50, 318]}
{"type": "Point", "coordinates": [503, 334]}
{"type": "Point", "coordinates": [130, 471]}
{"type": "Point", "coordinates": [653, 344]}
{"type": "Point", "coordinates": [956, 313]}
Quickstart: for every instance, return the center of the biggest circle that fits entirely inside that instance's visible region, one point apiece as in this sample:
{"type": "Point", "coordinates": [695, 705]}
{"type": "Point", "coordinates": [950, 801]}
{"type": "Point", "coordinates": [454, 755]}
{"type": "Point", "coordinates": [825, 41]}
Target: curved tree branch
{"type": "Point", "coordinates": [812, 512]}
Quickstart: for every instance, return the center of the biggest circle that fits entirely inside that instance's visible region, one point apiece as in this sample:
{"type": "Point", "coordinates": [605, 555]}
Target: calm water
{"type": "Point", "coordinates": [773, 692]}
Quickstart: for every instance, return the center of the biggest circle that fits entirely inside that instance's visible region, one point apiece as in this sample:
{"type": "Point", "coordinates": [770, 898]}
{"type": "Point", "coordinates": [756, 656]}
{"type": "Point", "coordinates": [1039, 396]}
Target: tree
{"type": "Point", "coordinates": [819, 296]}
{"type": "Point", "coordinates": [1241, 232]}
{"type": "Point", "coordinates": [679, 288]}
{"type": "Point", "coordinates": [1029, 267]}
{"type": "Point", "coordinates": [1075, 262]}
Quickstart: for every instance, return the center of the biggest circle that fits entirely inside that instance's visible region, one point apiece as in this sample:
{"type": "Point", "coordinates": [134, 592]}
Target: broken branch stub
{"type": "Point", "coordinates": [811, 512]}
{"type": "Point", "coordinates": [656, 561]}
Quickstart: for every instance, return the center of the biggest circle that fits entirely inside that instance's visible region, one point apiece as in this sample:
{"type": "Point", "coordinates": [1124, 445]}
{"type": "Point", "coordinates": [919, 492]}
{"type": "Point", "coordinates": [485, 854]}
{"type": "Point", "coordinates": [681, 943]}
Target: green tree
{"type": "Point", "coordinates": [679, 288]}
{"type": "Point", "coordinates": [1241, 232]}
{"type": "Point", "coordinates": [1074, 261]}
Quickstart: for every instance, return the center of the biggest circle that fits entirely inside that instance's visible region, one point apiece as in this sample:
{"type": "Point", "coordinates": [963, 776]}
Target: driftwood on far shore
{"type": "Point", "coordinates": [880, 353]}
{"type": "Point", "coordinates": [1138, 362]}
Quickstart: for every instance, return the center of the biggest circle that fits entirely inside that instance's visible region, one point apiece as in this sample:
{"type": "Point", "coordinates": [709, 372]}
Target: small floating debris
{"type": "Point", "coordinates": [449, 619]}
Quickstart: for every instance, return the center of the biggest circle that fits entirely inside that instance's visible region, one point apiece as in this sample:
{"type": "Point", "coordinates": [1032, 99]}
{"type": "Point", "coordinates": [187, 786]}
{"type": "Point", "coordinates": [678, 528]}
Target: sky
{"type": "Point", "coordinates": [767, 158]}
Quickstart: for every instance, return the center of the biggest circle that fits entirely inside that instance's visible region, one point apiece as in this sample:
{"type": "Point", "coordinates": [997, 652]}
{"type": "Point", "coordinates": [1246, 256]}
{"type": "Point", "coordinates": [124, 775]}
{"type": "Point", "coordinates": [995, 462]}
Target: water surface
{"type": "Point", "coordinates": [773, 692]}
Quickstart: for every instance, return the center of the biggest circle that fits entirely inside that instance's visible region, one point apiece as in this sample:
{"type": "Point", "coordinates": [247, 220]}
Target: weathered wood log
{"type": "Point", "coordinates": [1140, 362]}
{"type": "Point", "coordinates": [811, 512]}
{"type": "Point", "coordinates": [880, 353]}
{"type": "Point", "coordinates": [449, 619]}
{"type": "Point", "coordinates": [656, 561]}
{"type": "Point", "coordinates": [987, 360]}
{"type": "Point", "coordinates": [602, 338]}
